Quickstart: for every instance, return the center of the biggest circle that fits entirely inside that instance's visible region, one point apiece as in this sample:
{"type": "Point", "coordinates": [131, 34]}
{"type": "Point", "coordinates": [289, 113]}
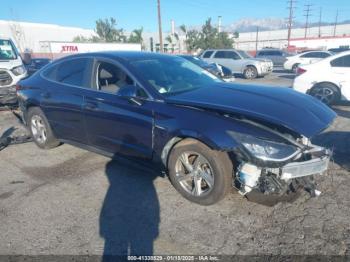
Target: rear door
{"type": "Point", "coordinates": [340, 68]}
{"type": "Point", "coordinates": [62, 101]}
{"type": "Point", "coordinates": [116, 124]}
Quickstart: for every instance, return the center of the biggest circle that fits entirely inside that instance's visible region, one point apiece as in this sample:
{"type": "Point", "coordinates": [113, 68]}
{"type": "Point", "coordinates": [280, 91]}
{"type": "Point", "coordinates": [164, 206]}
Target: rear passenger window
{"type": "Point", "coordinates": [71, 72]}
{"type": "Point", "coordinates": [208, 54]}
{"type": "Point", "coordinates": [343, 61]}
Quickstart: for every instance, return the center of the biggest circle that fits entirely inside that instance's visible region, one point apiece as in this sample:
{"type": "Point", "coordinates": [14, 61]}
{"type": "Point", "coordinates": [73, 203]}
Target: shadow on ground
{"type": "Point", "coordinates": [290, 76]}
{"type": "Point", "coordinates": [130, 215]}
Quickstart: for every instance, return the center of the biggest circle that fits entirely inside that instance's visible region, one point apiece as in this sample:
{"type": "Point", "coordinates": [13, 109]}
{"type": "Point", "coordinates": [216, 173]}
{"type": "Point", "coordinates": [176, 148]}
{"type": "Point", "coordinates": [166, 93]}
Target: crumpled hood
{"type": "Point", "coordinates": [300, 113]}
{"type": "Point", "coordinates": [9, 64]}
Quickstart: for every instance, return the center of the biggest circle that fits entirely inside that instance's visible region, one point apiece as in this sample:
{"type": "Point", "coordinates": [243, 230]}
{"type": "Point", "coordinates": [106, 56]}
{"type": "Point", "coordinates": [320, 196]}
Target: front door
{"type": "Point", "coordinates": [116, 124]}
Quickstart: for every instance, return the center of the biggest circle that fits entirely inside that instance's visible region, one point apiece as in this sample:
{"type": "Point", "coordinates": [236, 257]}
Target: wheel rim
{"type": "Point", "coordinates": [324, 94]}
{"type": "Point", "coordinates": [194, 174]}
{"type": "Point", "coordinates": [249, 73]}
{"type": "Point", "coordinates": [38, 129]}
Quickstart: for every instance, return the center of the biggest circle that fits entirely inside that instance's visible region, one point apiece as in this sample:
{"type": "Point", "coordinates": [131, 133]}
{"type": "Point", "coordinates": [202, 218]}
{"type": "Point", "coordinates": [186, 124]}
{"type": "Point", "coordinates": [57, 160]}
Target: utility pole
{"type": "Point", "coordinates": [219, 23]}
{"type": "Point", "coordinates": [335, 23]}
{"type": "Point", "coordinates": [307, 11]}
{"type": "Point", "coordinates": [256, 39]}
{"type": "Point", "coordinates": [160, 29]}
{"type": "Point", "coordinates": [320, 23]}
{"type": "Point", "coordinates": [290, 18]}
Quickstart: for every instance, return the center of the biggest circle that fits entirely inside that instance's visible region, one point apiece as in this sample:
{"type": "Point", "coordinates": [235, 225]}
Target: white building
{"type": "Point", "coordinates": [278, 38]}
{"type": "Point", "coordinates": [31, 35]}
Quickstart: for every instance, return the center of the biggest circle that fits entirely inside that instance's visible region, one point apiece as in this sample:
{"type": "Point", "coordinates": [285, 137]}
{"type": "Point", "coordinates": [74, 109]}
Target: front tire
{"type": "Point", "coordinates": [199, 174]}
{"type": "Point", "coordinates": [326, 93]}
{"type": "Point", "coordinates": [250, 72]}
{"type": "Point", "coordinates": [40, 129]}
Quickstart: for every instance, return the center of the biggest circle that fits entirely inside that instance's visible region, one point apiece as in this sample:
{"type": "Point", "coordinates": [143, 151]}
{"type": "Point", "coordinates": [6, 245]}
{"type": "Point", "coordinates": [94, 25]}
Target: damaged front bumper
{"type": "Point", "coordinates": [281, 180]}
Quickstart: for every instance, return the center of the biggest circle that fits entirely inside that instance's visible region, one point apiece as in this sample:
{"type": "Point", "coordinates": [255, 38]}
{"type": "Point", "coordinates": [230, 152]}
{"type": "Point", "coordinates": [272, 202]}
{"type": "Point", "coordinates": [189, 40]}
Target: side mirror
{"type": "Point", "coordinates": [129, 92]}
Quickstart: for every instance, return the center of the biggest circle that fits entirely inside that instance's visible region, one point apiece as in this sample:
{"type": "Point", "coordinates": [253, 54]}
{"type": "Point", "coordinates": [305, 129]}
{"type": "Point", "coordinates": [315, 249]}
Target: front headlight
{"type": "Point", "coordinates": [19, 70]}
{"type": "Point", "coordinates": [266, 150]}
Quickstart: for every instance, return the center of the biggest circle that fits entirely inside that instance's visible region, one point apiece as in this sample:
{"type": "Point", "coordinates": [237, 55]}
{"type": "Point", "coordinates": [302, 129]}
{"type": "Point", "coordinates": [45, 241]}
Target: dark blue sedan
{"type": "Point", "coordinates": [209, 135]}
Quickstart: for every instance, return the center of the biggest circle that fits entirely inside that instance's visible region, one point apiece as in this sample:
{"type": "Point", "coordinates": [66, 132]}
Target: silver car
{"type": "Point", "coordinates": [239, 62]}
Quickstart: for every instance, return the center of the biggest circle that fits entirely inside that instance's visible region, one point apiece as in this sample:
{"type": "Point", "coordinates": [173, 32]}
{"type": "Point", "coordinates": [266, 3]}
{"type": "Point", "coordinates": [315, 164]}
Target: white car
{"type": "Point", "coordinates": [328, 80]}
{"type": "Point", "coordinates": [11, 71]}
{"type": "Point", "coordinates": [292, 62]}
{"type": "Point", "coordinates": [239, 62]}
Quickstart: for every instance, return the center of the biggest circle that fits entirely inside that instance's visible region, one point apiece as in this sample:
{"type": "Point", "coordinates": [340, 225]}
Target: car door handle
{"type": "Point", "coordinates": [90, 105]}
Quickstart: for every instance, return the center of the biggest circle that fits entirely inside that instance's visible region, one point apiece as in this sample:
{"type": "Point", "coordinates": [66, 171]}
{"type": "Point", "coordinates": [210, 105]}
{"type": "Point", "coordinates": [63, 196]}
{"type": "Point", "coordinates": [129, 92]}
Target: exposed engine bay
{"type": "Point", "coordinates": [298, 173]}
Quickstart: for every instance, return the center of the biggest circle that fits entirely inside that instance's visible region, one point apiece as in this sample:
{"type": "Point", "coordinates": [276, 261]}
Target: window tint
{"type": "Point", "coordinates": [227, 55]}
{"type": "Point", "coordinates": [274, 53]}
{"type": "Point", "coordinates": [111, 78]}
{"type": "Point", "coordinates": [208, 54]}
{"type": "Point", "coordinates": [343, 61]}
{"type": "Point", "coordinates": [315, 55]}
{"type": "Point", "coordinates": [70, 72]}
{"type": "Point", "coordinates": [262, 53]}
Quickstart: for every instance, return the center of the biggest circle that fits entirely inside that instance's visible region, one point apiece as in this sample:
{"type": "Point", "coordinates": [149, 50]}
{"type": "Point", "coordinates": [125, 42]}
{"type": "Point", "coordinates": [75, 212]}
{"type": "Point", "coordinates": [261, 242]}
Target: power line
{"type": "Point", "coordinates": [291, 17]}
{"type": "Point", "coordinates": [307, 14]}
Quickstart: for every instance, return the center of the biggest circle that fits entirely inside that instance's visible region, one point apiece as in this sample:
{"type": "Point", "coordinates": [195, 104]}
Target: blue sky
{"type": "Point", "coordinates": [131, 14]}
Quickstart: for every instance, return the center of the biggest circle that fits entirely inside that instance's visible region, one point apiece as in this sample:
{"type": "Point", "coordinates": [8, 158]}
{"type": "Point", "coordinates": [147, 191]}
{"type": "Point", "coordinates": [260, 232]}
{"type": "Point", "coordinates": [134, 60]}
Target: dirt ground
{"type": "Point", "coordinates": [68, 201]}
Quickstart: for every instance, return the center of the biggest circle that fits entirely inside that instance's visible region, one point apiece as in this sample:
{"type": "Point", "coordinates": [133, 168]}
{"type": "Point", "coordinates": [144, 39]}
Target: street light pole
{"type": "Point", "coordinates": [160, 28]}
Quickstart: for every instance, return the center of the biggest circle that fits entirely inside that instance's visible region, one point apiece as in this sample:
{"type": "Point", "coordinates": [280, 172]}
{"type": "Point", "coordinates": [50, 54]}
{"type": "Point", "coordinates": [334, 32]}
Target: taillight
{"type": "Point", "coordinates": [18, 87]}
{"type": "Point", "coordinates": [300, 71]}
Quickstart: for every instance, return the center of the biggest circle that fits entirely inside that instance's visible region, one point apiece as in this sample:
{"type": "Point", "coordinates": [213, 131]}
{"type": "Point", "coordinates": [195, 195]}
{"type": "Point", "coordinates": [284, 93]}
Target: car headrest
{"type": "Point", "coordinates": [104, 74]}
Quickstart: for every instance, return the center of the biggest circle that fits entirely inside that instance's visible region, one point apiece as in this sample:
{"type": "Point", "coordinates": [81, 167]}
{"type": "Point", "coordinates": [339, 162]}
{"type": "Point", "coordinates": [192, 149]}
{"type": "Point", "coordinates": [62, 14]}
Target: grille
{"type": "Point", "coordinates": [5, 78]}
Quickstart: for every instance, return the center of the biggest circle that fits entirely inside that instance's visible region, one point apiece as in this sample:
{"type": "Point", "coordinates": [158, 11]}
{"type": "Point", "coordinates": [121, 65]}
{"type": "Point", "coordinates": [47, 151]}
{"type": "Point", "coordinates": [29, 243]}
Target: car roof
{"type": "Point", "coordinates": [120, 55]}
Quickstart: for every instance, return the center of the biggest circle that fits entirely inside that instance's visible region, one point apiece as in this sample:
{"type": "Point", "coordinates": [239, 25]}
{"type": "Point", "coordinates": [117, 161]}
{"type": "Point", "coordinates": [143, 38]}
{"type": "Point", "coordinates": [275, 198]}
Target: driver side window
{"type": "Point", "coordinates": [110, 78]}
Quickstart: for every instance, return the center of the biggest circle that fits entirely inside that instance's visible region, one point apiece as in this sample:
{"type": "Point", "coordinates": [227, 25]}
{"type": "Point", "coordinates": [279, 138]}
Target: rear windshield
{"type": "Point", "coordinates": [7, 50]}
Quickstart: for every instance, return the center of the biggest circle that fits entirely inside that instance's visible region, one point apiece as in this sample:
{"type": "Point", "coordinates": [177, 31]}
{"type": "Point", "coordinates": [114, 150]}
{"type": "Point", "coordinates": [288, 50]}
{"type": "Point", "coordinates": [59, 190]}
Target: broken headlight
{"type": "Point", "coordinates": [19, 70]}
{"type": "Point", "coordinates": [267, 150]}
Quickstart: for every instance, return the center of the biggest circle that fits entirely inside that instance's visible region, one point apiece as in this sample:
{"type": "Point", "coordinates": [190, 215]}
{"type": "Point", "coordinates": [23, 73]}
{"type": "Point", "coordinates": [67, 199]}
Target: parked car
{"type": "Point", "coordinates": [220, 71]}
{"type": "Point", "coordinates": [304, 58]}
{"type": "Point", "coordinates": [206, 133]}
{"type": "Point", "coordinates": [327, 80]}
{"type": "Point", "coordinates": [11, 71]}
{"type": "Point", "coordinates": [36, 64]}
{"type": "Point", "coordinates": [338, 50]}
{"type": "Point", "coordinates": [239, 62]}
{"type": "Point", "coordinates": [277, 56]}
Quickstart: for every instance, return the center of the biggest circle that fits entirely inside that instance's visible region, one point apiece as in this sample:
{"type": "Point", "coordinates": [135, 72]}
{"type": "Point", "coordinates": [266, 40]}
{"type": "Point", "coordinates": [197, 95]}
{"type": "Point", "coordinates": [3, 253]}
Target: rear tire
{"type": "Point", "coordinates": [250, 72]}
{"type": "Point", "coordinates": [40, 129]}
{"type": "Point", "coordinates": [199, 174]}
{"type": "Point", "coordinates": [326, 92]}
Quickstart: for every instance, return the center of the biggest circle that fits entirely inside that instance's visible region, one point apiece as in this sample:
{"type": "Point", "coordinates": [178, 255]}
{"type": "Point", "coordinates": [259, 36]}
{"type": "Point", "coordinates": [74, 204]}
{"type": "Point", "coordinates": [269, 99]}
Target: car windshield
{"type": "Point", "coordinates": [7, 50]}
{"type": "Point", "coordinates": [244, 54]}
{"type": "Point", "coordinates": [170, 75]}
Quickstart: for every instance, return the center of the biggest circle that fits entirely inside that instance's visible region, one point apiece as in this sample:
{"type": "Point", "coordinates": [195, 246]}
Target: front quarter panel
{"type": "Point", "coordinates": [209, 127]}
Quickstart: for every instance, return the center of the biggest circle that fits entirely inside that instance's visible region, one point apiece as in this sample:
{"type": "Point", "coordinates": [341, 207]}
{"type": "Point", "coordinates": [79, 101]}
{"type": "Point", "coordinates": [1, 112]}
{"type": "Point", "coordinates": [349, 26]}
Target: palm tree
{"type": "Point", "coordinates": [184, 30]}
{"type": "Point", "coordinates": [169, 39]}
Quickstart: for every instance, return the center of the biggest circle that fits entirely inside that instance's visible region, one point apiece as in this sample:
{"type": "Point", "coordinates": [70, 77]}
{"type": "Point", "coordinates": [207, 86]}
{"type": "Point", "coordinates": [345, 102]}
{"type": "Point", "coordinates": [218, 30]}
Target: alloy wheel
{"type": "Point", "coordinates": [194, 173]}
{"type": "Point", "coordinates": [38, 129]}
{"type": "Point", "coordinates": [324, 94]}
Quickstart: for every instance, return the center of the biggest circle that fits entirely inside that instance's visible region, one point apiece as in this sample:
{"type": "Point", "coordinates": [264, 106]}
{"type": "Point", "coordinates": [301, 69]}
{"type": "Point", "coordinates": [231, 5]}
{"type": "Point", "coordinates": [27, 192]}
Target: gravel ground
{"type": "Point", "coordinates": [70, 201]}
